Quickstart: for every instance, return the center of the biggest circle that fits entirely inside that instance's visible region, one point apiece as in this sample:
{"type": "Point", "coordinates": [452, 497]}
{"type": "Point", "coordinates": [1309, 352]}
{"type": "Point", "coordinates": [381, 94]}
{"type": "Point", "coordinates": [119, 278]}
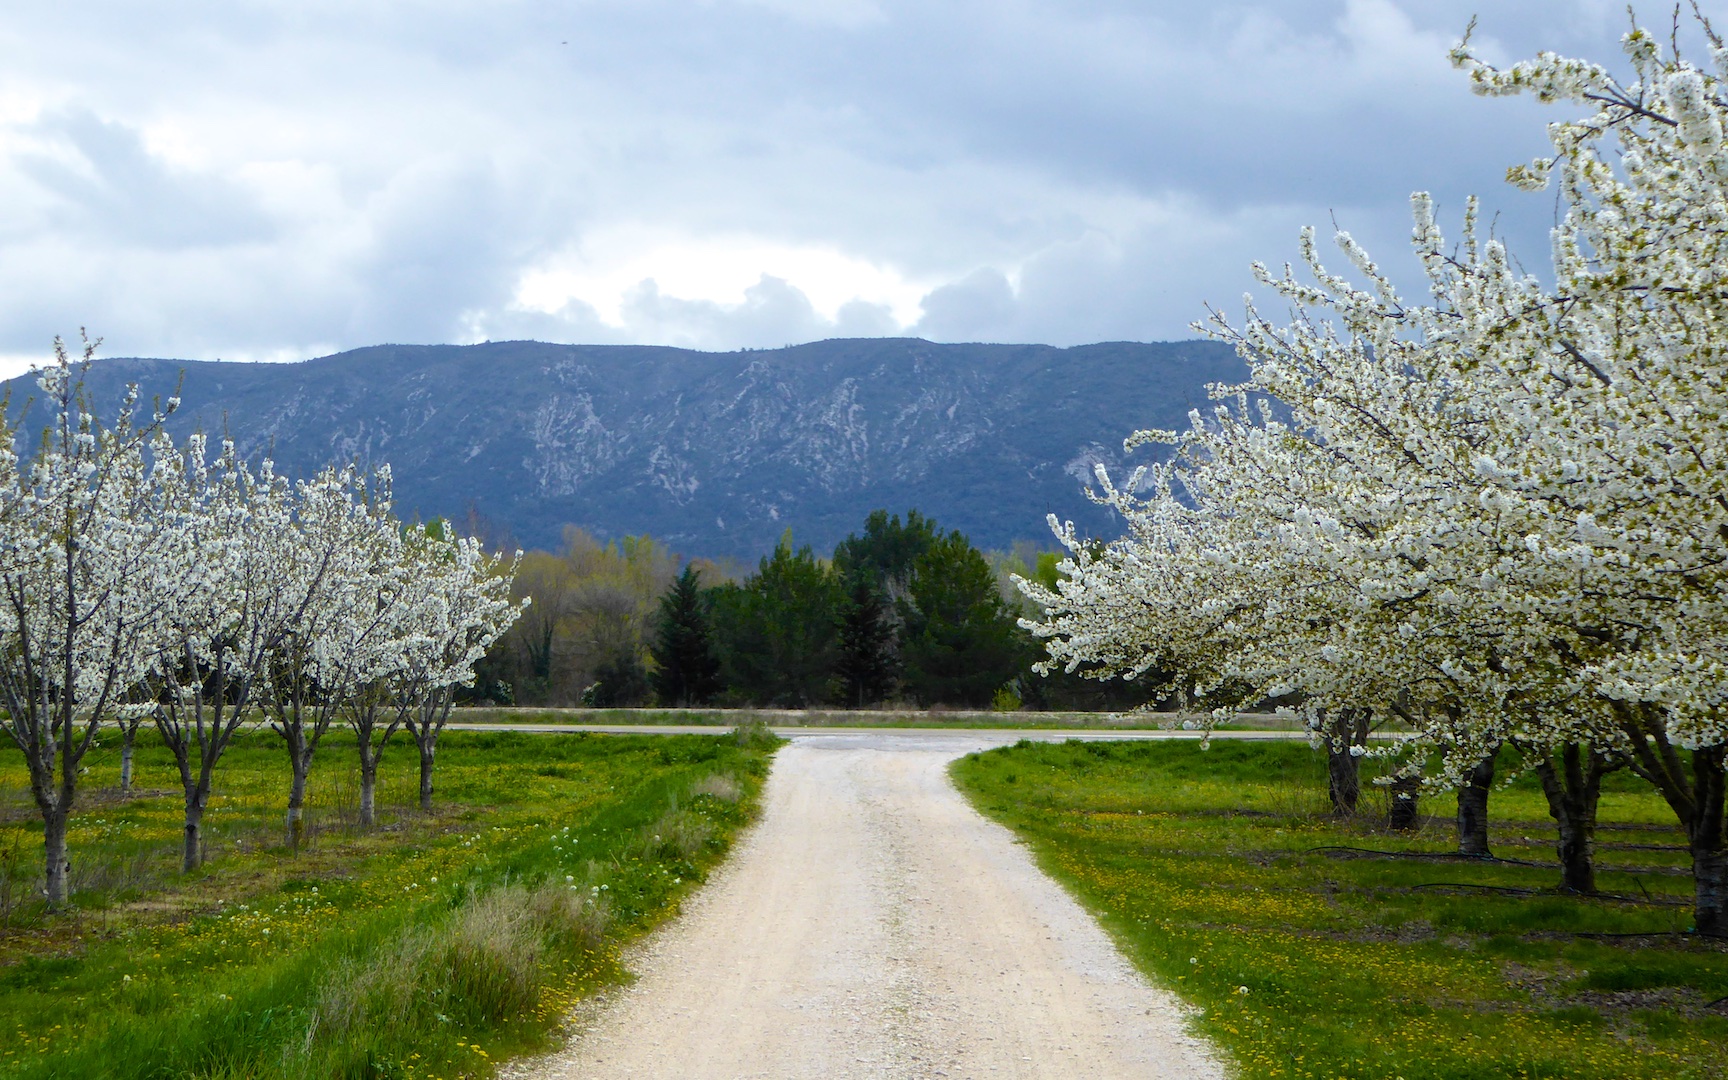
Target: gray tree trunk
{"type": "Point", "coordinates": [427, 751]}
{"type": "Point", "coordinates": [368, 786]}
{"type": "Point", "coordinates": [127, 743]}
{"type": "Point", "coordinates": [297, 802]}
{"type": "Point", "coordinates": [1344, 730]}
{"type": "Point", "coordinates": [1343, 780]}
{"type": "Point", "coordinates": [1710, 887]}
{"type": "Point", "coordinates": [1573, 786]}
{"type": "Point", "coordinates": [1473, 807]}
{"type": "Point", "coordinates": [192, 853]}
{"type": "Point", "coordinates": [56, 887]}
{"type": "Point", "coordinates": [1708, 839]}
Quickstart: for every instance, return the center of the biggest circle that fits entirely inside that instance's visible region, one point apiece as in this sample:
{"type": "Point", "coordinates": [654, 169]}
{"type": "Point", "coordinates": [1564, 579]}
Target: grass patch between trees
{"type": "Point", "coordinates": [429, 947]}
{"type": "Point", "coordinates": [1307, 954]}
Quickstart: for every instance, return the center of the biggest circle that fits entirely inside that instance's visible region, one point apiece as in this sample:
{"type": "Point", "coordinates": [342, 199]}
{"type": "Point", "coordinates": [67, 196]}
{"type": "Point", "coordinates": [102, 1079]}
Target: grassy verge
{"type": "Point", "coordinates": [902, 718]}
{"type": "Point", "coordinates": [1222, 876]}
{"type": "Point", "coordinates": [429, 947]}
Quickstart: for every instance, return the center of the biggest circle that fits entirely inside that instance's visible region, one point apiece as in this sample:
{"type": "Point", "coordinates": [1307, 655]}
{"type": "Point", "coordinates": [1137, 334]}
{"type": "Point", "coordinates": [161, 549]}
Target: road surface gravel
{"type": "Point", "coordinates": [872, 924]}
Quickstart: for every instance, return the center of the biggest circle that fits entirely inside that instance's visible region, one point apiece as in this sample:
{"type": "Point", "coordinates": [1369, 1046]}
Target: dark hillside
{"type": "Point", "coordinates": [716, 453]}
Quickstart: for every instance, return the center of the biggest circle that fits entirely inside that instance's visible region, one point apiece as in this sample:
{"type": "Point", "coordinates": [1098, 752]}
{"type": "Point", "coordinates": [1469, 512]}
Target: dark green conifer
{"type": "Point", "coordinates": [777, 631]}
{"type": "Point", "coordinates": [961, 643]}
{"type": "Point", "coordinates": [868, 660]}
{"type": "Point", "coordinates": [688, 672]}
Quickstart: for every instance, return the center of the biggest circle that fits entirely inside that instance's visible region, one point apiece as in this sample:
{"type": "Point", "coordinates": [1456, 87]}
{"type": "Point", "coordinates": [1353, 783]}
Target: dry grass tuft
{"type": "Point", "coordinates": [722, 786]}
{"type": "Point", "coordinates": [489, 962]}
{"type": "Point", "coordinates": [679, 834]}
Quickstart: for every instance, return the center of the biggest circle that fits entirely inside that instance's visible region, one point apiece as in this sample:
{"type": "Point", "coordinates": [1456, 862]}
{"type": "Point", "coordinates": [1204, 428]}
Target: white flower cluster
{"type": "Point", "coordinates": [1501, 514]}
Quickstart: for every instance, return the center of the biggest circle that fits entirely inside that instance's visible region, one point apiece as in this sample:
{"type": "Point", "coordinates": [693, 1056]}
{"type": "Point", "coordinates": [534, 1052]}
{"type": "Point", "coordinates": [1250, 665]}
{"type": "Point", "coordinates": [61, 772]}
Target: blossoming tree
{"type": "Point", "coordinates": [79, 620]}
{"type": "Point", "coordinates": [463, 606]}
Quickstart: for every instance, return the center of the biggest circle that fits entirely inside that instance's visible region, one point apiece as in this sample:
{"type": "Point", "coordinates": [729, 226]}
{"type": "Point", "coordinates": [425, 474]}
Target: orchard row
{"type": "Point", "coordinates": [145, 582]}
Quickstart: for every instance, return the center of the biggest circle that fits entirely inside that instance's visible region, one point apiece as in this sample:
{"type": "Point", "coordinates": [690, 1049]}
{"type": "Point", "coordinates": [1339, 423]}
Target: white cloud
{"type": "Point", "coordinates": [610, 263]}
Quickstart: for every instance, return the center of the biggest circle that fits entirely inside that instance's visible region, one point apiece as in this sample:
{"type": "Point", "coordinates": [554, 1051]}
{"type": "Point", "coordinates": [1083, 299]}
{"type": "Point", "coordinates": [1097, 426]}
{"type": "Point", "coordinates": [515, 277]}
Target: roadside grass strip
{"type": "Point", "coordinates": [1311, 947]}
{"type": "Point", "coordinates": [430, 947]}
{"type": "Point", "coordinates": [938, 717]}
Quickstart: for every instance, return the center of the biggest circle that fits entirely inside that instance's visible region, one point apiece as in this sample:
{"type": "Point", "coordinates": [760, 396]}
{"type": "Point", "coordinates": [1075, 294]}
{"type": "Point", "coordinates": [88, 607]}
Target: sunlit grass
{"type": "Point", "coordinates": [431, 946]}
{"type": "Point", "coordinates": [1208, 867]}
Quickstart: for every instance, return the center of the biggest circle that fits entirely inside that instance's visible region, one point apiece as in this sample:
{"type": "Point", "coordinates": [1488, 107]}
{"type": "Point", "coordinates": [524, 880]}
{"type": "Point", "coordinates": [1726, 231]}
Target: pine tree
{"type": "Point", "coordinates": [886, 551]}
{"type": "Point", "coordinates": [688, 672]}
{"type": "Point", "coordinates": [961, 643]}
{"type": "Point", "coordinates": [869, 662]}
{"type": "Point", "coordinates": [777, 631]}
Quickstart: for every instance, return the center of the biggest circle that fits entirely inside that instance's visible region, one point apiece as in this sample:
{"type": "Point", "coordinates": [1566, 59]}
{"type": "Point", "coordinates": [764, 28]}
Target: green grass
{"type": "Point", "coordinates": [1209, 868]}
{"type": "Point", "coordinates": [428, 947]}
{"type": "Point", "coordinates": [818, 717]}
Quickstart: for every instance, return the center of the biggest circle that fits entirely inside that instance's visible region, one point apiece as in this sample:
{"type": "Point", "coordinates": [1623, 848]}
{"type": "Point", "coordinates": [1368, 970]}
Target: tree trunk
{"type": "Point", "coordinates": [127, 743]}
{"type": "Point", "coordinates": [1403, 815]}
{"type": "Point", "coordinates": [368, 787]}
{"type": "Point", "coordinates": [54, 857]}
{"type": "Point", "coordinates": [1343, 780]}
{"type": "Point", "coordinates": [192, 855]}
{"type": "Point", "coordinates": [1573, 789]}
{"type": "Point", "coordinates": [1710, 885]}
{"type": "Point", "coordinates": [1473, 807]}
{"type": "Point", "coordinates": [427, 751]}
{"type": "Point", "coordinates": [297, 802]}
{"type": "Point", "coordinates": [1709, 844]}
{"type": "Point", "coordinates": [1345, 730]}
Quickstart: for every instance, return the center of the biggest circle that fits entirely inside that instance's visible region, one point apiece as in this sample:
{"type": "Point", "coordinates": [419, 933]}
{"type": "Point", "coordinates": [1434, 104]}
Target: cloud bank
{"type": "Point", "coordinates": [273, 180]}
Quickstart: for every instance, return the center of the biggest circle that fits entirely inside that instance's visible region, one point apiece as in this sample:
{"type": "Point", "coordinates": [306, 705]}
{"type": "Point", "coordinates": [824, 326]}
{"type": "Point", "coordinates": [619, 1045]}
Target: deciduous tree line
{"type": "Point", "coordinates": [145, 582]}
{"type": "Point", "coordinates": [592, 612]}
{"type": "Point", "coordinates": [1499, 516]}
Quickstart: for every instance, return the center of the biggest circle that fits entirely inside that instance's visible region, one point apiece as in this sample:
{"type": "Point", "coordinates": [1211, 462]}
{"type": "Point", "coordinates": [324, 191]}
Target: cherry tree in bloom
{"type": "Point", "coordinates": [79, 620]}
{"type": "Point", "coordinates": [463, 605]}
{"type": "Point", "coordinates": [439, 604]}
{"type": "Point", "coordinates": [232, 594]}
{"type": "Point", "coordinates": [1500, 514]}
{"type": "Point", "coordinates": [308, 683]}
{"type": "Point", "coordinates": [357, 653]}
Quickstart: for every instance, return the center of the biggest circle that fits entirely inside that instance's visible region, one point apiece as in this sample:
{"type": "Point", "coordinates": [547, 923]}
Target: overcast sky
{"type": "Point", "coordinates": [238, 179]}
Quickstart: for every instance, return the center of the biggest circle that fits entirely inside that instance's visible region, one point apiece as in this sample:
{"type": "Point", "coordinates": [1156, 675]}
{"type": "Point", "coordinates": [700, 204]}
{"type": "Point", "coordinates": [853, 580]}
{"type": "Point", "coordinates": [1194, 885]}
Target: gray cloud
{"type": "Point", "coordinates": [110, 189]}
{"type": "Point", "coordinates": [215, 179]}
{"type": "Point", "coordinates": [978, 307]}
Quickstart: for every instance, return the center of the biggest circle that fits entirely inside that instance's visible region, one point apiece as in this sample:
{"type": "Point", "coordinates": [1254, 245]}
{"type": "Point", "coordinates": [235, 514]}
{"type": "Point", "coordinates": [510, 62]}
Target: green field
{"type": "Point", "coordinates": [887, 718]}
{"type": "Point", "coordinates": [1307, 953]}
{"type": "Point", "coordinates": [427, 947]}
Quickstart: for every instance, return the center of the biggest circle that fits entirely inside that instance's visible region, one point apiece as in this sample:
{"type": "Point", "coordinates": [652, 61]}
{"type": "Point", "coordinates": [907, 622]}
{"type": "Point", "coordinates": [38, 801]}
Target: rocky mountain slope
{"type": "Point", "coordinates": [714, 453]}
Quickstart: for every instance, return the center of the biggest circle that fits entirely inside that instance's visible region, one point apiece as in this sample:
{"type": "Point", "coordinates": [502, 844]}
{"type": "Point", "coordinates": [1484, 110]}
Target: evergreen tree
{"type": "Point", "coordinates": [777, 632]}
{"type": "Point", "coordinates": [688, 672]}
{"type": "Point", "coordinates": [961, 641]}
{"type": "Point", "coordinates": [887, 550]}
{"type": "Point", "coordinates": [868, 657]}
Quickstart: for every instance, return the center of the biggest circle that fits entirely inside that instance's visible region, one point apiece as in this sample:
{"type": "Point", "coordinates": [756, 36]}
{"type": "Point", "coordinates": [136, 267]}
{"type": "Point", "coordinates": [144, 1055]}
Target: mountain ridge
{"type": "Point", "coordinates": [713, 453]}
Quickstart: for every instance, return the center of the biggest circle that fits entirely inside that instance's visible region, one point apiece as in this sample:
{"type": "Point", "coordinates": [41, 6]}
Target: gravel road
{"type": "Point", "coordinates": [872, 924]}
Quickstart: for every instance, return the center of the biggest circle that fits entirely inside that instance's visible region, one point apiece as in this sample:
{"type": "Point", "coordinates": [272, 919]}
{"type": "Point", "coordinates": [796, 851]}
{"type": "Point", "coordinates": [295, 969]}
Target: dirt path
{"type": "Point", "coordinates": [874, 925]}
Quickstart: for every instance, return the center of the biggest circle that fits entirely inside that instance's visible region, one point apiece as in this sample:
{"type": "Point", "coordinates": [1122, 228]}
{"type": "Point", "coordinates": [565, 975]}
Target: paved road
{"type": "Point", "coordinates": [872, 924]}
